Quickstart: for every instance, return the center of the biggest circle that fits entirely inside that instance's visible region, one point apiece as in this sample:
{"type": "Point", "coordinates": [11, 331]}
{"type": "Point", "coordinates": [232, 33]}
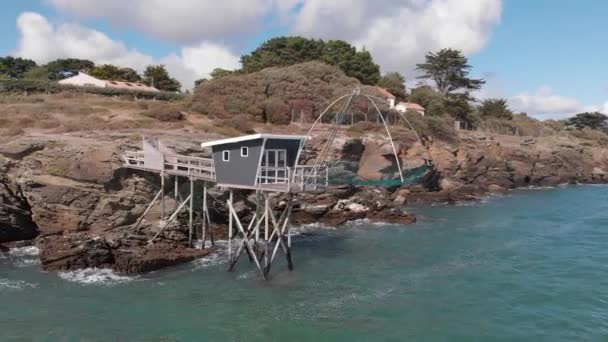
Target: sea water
{"type": "Point", "coordinates": [532, 265]}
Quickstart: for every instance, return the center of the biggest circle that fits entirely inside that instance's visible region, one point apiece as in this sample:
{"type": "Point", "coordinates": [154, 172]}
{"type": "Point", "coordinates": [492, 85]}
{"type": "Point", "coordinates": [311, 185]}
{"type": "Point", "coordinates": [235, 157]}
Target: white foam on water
{"type": "Point", "coordinates": [7, 284]}
{"type": "Point", "coordinates": [95, 276]}
{"type": "Point", "coordinates": [24, 251]}
{"type": "Point", "coordinates": [217, 258]}
{"type": "Point", "coordinates": [23, 256]}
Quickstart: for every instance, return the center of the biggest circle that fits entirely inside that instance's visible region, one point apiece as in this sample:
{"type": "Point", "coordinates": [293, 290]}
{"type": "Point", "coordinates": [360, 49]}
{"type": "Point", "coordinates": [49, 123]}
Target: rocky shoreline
{"type": "Point", "coordinates": [68, 195]}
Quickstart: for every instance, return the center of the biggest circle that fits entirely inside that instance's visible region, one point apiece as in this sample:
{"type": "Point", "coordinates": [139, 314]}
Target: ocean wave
{"type": "Point", "coordinates": [7, 284]}
{"type": "Point", "coordinates": [95, 276]}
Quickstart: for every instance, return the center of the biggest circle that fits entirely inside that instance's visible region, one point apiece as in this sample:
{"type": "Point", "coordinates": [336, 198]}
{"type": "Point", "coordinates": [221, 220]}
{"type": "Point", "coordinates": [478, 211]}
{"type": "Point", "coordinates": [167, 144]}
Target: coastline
{"type": "Point", "coordinates": [77, 206]}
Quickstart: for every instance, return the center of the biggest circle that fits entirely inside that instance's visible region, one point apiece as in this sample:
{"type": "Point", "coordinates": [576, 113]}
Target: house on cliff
{"type": "Point", "coordinates": [387, 96]}
{"type": "Point", "coordinates": [403, 107]}
{"type": "Point", "coordinates": [85, 80]}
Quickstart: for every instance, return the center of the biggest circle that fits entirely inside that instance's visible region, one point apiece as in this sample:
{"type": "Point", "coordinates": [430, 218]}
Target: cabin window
{"type": "Point", "coordinates": [244, 151]}
{"type": "Point", "coordinates": [226, 156]}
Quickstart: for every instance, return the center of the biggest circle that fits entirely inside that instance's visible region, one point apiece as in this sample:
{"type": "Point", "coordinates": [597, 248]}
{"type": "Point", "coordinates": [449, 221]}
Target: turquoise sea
{"type": "Point", "coordinates": [529, 266]}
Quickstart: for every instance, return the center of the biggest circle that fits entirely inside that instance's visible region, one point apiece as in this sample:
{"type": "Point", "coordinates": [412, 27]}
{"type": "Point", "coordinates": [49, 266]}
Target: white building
{"type": "Point", "coordinates": [403, 107]}
{"type": "Point", "coordinates": [84, 80]}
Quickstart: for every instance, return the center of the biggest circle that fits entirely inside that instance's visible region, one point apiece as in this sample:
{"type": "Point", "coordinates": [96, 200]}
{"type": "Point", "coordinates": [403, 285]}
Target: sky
{"type": "Point", "coordinates": [546, 57]}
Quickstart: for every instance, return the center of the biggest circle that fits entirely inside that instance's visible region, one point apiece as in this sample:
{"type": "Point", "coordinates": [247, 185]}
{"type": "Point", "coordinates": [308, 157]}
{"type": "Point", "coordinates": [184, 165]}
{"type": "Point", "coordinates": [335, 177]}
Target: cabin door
{"type": "Point", "coordinates": [274, 167]}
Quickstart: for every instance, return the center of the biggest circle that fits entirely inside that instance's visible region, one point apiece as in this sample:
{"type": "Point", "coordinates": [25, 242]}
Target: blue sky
{"type": "Point", "coordinates": [546, 56]}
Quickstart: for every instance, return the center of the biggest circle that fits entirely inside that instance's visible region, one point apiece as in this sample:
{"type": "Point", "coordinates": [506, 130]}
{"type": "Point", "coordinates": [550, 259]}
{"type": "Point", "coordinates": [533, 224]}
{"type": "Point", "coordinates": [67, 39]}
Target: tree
{"type": "Point", "coordinates": [14, 68]}
{"type": "Point", "coordinates": [357, 64]}
{"type": "Point", "coordinates": [219, 73]}
{"type": "Point", "coordinates": [594, 120]}
{"type": "Point", "coordinates": [394, 82]}
{"type": "Point", "coordinates": [284, 51]}
{"type": "Point", "coordinates": [449, 70]}
{"type": "Point", "coordinates": [112, 72]}
{"type": "Point", "coordinates": [434, 103]}
{"type": "Point", "coordinates": [39, 73]}
{"type": "Point", "coordinates": [496, 108]}
{"type": "Point", "coordinates": [64, 68]}
{"type": "Point", "coordinates": [158, 77]}
{"type": "Point", "coordinates": [200, 81]}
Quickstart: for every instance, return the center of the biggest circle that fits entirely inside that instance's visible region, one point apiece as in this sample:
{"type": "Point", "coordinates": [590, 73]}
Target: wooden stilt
{"type": "Point", "coordinates": [204, 215]}
{"type": "Point", "coordinates": [162, 196]}
{"type": "Point", "coordinates": [190, 213]}
{"type": "Point", "coordinates": [176, 188]}
{"type": "Point", "coordinates": [171, 218]}
{"type": "Point", "coordinates": [141, 218]}
{"type": "Point", "coordinates": [247, 242]}
{"type": "Point", "coordinates": [267, 213]}
{"type": "Point", "coordinates": [230, 198]}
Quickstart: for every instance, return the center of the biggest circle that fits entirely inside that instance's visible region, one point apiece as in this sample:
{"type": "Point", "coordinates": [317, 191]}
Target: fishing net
{"type": "Point", "coordinates": [345, 173]}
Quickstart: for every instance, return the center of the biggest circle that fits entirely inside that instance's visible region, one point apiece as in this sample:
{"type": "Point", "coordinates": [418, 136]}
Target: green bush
{"type": "Point", "coordinates": [35, 86]}
{"type": "Point", "coordinates": [164, 112]}
{"type": "Point", "coordinates": [277, 112]}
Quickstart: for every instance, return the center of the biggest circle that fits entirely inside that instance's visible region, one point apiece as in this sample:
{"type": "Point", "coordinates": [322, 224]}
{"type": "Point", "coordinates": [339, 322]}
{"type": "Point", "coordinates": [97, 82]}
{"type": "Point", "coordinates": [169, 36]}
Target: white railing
{"type": "Point", "coordinates": [310, 177]}
{"type": "Point", "coordinates": [134, 158]}
{"type": "Point", "coordinates": [174, 164]}
{"type": "Point", "coordinates": [299, 178]}
{"type": "Point", "coordinates": [190, 166]}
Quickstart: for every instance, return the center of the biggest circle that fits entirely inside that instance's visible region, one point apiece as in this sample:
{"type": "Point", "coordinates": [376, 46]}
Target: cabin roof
{"type": "Point", "coordinates": [252, 137]}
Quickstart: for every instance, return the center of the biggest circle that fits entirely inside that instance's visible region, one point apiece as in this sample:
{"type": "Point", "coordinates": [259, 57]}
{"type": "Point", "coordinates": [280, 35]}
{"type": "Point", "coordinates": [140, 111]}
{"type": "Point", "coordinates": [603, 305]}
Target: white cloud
{"type": "Point", "coordinates": [397, 32]}
{"type": "Point", "coordinates": [543, 104]}
{"type": "Point", "coordinates": [198, 62]}
{"type": "Point", "coordinates": [400, 33]}
{"type": "Point", "coordinates": [181, 21]}
{"type": "Point", "coordinates": [42, 41]}
{"type": "Point", "coordinates": [595, 108]}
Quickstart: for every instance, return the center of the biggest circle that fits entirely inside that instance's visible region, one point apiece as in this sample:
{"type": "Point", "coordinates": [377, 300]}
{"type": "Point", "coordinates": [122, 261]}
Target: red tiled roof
{"type": "Point", "coordinates": [130, 86]}
{"type": "Point", "coordinates": [383, 92]}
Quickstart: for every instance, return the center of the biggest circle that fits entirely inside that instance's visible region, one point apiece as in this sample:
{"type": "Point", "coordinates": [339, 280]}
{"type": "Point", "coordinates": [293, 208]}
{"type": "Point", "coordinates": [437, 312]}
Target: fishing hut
{"type": "Point", "coordinates": [266, 164]}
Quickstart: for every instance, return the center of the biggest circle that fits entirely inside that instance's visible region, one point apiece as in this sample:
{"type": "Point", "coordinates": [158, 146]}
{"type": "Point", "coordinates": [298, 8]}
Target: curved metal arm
{"type": "Point", "coordinates": [388, 132]}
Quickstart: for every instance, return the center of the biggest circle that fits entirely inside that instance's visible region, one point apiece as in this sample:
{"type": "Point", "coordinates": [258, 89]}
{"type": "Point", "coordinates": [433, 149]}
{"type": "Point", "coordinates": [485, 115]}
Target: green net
{"type": "Point", "coordinates": [344, 174]}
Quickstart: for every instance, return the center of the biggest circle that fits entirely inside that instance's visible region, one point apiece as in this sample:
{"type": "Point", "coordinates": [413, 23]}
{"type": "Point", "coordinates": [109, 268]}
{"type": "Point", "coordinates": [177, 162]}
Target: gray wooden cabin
{"type": "Point", "coordinates": [266, 162]}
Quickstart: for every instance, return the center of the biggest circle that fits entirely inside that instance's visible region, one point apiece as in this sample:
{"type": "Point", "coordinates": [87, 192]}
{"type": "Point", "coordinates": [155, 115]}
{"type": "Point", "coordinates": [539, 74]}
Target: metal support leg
{"type": "Point", "coordinates": [191, 209]}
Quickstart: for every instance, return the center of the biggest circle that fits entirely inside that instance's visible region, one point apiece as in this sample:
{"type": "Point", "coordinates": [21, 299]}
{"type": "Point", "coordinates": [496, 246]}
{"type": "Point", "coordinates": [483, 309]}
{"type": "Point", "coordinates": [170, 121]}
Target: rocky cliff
{"type": "Point", "coordinates": [69, 192]}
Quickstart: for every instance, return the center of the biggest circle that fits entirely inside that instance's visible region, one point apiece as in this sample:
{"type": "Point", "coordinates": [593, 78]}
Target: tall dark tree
{"type": "Point", "coordinates": [594, 120]}
{"type": "Point", "coordinates": [63, 68]}
{"type": "Point", "coordinates": [158, 77]}
{"type": "Point", "coordinates": [284, 51]}
{"type": "Point", "coordinates": [449, 70]}
{"type": "Point", "coordinates": [14, 68]}
{"type": "Point", "coordinates": [113, 72]}
{"type": "Point", "coordinates": [496, 108]}
{"type": "Point", "coordinates": [394, 82]}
